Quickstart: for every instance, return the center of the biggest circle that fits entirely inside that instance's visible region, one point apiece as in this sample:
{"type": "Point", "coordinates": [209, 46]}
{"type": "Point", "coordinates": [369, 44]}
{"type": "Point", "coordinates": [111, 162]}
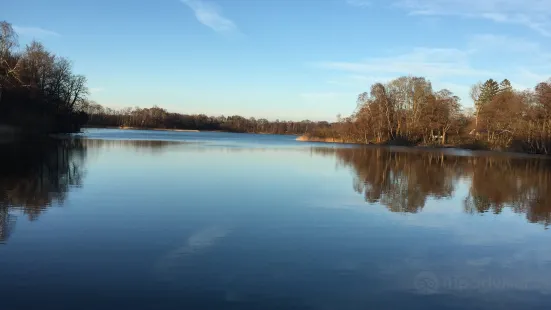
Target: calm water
{"type": "Point", "coordinates": [172, 220]}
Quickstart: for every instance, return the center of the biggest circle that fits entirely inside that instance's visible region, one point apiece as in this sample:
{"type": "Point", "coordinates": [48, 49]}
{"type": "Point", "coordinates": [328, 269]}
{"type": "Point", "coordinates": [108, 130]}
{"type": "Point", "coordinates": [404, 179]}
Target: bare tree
{"type": "Point", "coordinates": [475, 96]}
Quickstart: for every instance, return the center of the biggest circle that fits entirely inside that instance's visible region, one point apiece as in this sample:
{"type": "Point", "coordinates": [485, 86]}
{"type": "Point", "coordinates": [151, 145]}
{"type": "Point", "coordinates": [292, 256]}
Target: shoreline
{"type": "Point", "coordinates": [446, 148]}
{"type": "Point", "coordinates": [159, 129]}
{"type": "Point", "coordinates": [304, 138]}
{"type": "Point", "coordinates": [182, 130]}
{"type": "Point", "coordinates": [140, 128]}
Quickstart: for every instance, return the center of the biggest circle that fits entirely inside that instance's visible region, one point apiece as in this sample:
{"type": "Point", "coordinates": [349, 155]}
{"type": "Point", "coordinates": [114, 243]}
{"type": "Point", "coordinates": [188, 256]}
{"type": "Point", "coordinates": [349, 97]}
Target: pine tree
{"type": "Point", "coordinates": [489, 90]}
{"type": "Point", "coordinates": [505, 86]}
{"type": "Point", "coordinates": [485, 93]}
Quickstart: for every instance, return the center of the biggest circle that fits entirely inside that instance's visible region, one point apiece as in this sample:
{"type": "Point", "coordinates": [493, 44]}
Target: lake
{"type": "Point", "coordinates": [112, 219]}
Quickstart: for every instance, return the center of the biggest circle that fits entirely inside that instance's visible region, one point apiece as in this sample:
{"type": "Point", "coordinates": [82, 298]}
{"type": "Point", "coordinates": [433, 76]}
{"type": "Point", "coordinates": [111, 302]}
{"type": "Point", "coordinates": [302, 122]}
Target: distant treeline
{"type": "Point", "coordinates": [39, 94]}
{"type": "Point", "coordinates": [408, 111]}
{"type": "Point", "coordinates": [156, 117]}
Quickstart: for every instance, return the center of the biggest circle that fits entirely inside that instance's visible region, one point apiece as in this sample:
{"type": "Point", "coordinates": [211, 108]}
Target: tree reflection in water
{"type": "Point", "coordinates": [38, 174]}
{"type": "Point", "coordinates": [144, 146]}
{"type": "Point", "coordinates": [403, 180]}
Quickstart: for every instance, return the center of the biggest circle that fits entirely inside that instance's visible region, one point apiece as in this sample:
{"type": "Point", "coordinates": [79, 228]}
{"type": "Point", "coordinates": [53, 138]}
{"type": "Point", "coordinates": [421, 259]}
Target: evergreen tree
{"type": "Point", "coordinates": [489, 90]}
{"type": "Point", "coordinates": [505, 86]}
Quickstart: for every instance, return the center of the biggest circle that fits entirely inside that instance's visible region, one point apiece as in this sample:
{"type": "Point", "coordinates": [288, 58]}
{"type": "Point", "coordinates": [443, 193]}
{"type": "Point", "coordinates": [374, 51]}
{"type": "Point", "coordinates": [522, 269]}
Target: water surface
{"type": "Point", "coordinates": [182, 220]}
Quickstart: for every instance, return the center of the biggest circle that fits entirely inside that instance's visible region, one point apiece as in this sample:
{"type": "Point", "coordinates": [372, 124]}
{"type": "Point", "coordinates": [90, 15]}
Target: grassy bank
{"type": "Point", "coordinates": [306, 138]}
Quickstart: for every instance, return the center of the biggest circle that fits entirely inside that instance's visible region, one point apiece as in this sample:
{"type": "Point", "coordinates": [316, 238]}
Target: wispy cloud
{"type": "Point", "coordinates": [518, 49]}
{"type": "Point", "coordinates": [359, 3]}
{"type": "Point", "coordinates": [34, 32]}
{"type": "Point", "coordinates": [491, 41]}
{"type": "Point", "coordinates": [527, 63]}
{"type": "Point", "coordinates": [210, 15]}
{"type": "Point", "coordinates": [445, 67]}
{"type": "Point", "coordinates": [433, 62]}
{"type": "Point", "coordinates": [534, 14]}
{"type": "Point", "coordinates": [526, 78]}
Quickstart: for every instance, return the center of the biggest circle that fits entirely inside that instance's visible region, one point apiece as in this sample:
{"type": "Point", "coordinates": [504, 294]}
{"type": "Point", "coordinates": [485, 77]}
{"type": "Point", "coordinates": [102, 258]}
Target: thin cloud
{"type": "Point", "coordinates": [432, 62]}
{"type": "Point", "coordinates": [35, 32]}
{"type": "Point", "coordinates": [526, 78]}
{"type": "Point", "coordinates": [527, 61]}
{"type": "Point", "coordinates": [522, 50]}
{"type": "Point", "coordinates": [495, 43]}
{"type": "Point", "coordinates": [210, 15]}
{"type": "Point", "coordinates": [527, 65]}
{"type": "Point", "coordinates": [445, 67]}
{"type": "Point", "coordinates": [533, 14]}
{"type": "Point", "coordinates": [359, 3]}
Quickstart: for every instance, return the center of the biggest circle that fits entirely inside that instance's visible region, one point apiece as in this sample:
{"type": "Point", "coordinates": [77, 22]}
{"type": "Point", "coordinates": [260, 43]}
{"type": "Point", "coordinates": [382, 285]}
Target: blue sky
{"type": "Point", "coordinates": [287, 59]}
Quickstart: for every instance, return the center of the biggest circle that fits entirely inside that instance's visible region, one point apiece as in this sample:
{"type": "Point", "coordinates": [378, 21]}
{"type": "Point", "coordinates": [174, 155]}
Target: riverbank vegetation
{"type": "Point", "coordinates": [407, 111]}
{"type": "Point", "coordinates": [39, 93]}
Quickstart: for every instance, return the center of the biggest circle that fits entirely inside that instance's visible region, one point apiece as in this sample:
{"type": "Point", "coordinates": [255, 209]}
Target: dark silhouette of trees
{"type": "Point", "coordinates": [38, 92]}
{"type": "Point", "coordinates": [404, 180]}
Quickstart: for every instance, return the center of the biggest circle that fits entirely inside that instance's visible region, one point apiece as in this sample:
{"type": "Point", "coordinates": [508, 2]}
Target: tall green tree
{"type": "Point", "coordinates": [505, 86]}
{"type": "Point", "coordinates": [489, 90]}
